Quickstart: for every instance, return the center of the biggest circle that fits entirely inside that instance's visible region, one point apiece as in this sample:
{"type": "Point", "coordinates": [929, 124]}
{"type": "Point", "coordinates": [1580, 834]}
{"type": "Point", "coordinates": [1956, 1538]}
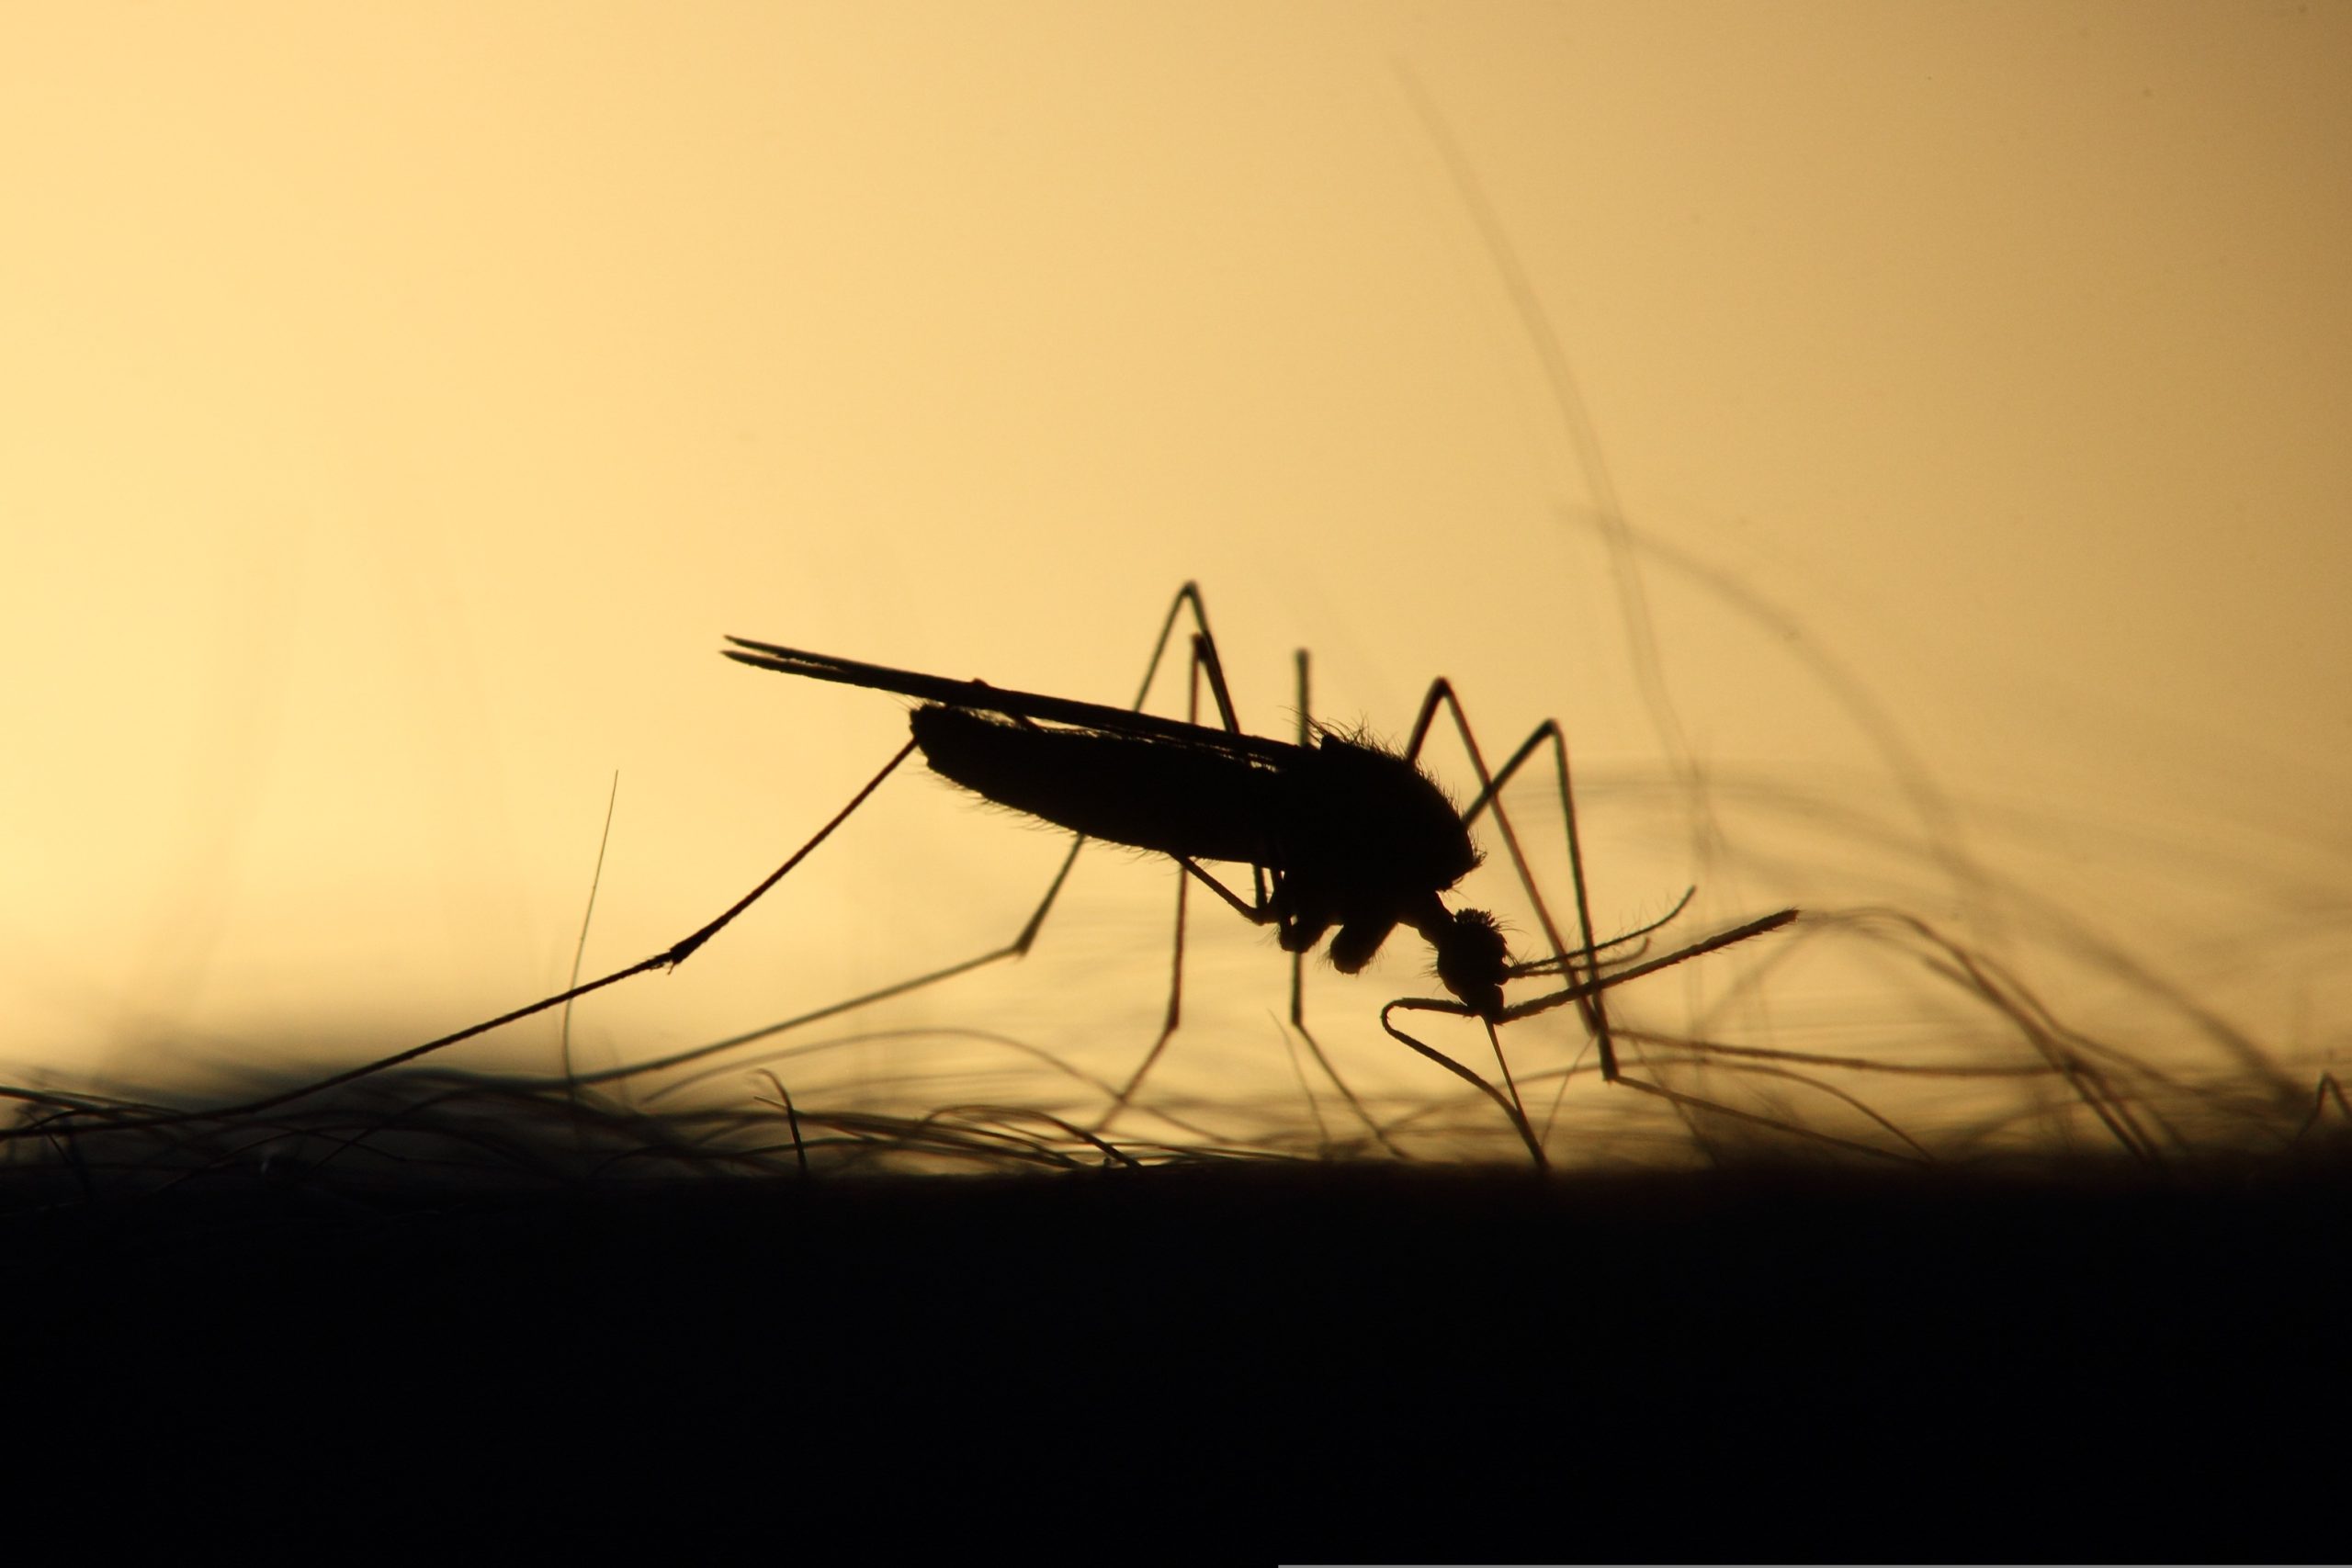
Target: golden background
{"type": "Point", "coordinates": [402, 401]}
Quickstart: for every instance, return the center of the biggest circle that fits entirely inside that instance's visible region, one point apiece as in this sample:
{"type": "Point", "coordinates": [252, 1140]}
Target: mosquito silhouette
{"type": "Point", "coordinates": [1344, 838]}
{"type": "Point", "coordinates": [1351, 836]}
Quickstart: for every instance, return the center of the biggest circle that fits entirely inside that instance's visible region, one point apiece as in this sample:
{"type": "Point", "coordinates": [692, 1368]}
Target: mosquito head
{"type": "Point", "coordinates": [1471, 958]}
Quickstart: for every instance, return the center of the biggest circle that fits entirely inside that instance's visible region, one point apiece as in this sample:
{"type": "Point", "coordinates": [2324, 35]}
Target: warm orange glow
{"type": "Point", "coordinates": [400, 404]}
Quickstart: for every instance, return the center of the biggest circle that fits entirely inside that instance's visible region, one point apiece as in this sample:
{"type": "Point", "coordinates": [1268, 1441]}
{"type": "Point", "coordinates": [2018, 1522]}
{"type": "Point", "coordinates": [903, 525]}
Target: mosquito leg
{"type": "Point", "coordinates": [1489, 799]}
{"type": "Point", "coordinates": [1510, 1103]}
{"type": "Point", "coordinates": [686, 949]}
{"type": "Point", "coordinates": [1208, 666]}
{"type": "Point", "coordinates": [1256, 914]}
{"type": "Point", "coordinates": [1205, 665]}
{"type": "Point", "coordinates": [1582, 990]}
{"type": "Point", "coordinates": [1205, 662]}
{"type": "Point", "coordinates": [668, 958]}
{"type": "Point", "coordinates": [1169, 1021]}
{"type": "Point", "coordinates": [1685, 1105]}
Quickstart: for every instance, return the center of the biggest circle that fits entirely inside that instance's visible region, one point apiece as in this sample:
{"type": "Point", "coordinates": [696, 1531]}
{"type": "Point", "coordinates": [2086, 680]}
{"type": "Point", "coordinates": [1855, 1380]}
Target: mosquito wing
{"type": "Point", "coordinates": [978, 697]}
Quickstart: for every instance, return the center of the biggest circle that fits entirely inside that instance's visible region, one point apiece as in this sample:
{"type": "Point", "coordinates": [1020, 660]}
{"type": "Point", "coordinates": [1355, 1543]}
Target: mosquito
{"type": "Point", "coordinates": [1344, 838]}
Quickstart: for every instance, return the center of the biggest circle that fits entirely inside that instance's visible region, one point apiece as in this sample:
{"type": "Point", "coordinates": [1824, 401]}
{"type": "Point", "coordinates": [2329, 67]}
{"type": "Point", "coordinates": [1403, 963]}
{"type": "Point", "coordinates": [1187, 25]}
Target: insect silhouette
{"type": "Point", "coordinates": [1344, 838]}
{"type": "Point", "coordinates": [1351, 836]}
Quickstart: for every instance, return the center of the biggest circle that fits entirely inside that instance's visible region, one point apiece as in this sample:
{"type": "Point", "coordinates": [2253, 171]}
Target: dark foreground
{"type": "Point", "coordinates": [1263, 1361]}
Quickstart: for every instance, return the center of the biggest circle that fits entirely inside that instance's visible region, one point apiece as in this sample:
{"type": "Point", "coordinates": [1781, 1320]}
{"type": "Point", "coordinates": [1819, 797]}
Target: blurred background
{"type": "Point", "coordinates": [1902, 445]}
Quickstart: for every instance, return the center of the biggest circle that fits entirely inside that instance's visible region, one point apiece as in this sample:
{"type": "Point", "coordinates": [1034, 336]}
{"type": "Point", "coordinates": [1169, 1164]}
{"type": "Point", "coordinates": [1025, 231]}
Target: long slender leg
{"type": "Point", "coordinates": [1511, 1108]}
{"type": "Point", "coordinates": [1587, 982]}
{"type": "Point", "coordinates": [1489, 799]}
{"type": "Point", "coordinates": [1490, 782]}
{"type": "Point", "coordinates": [1207, 665]}
{"type": "Point", "coordinates": [1579, 966]}
{"type": "Point", "coordinates": [1579, 991]}
{"type": "Point", "coordinates": [668, 958]}
{"type": "Point", "coordinates": [1204, 659]}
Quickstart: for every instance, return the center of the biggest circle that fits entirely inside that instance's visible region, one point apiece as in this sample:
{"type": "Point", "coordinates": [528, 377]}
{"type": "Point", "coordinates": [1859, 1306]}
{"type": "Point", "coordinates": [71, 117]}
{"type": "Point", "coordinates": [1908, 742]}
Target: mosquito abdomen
{"type": "Point", "coordinates": [1179, 799]}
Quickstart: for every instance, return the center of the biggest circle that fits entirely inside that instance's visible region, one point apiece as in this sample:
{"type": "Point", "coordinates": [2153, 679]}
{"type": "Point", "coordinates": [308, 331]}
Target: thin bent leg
{"type": "Point", "coordinates": [1208, 666]}
{"type": "Point", "coordinates": [1205, 666]}
{"type": "Point", "coordinates": [1586, 961]}
{"type": "Point", "coordinates": [1581, 989]}
{"type": "Point", "coordinates": [1511, 1108]}
{"type": "Point", "coordinates": [668, 958]}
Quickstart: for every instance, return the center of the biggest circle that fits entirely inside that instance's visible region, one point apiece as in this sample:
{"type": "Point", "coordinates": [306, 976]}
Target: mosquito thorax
{"type": "Point", "coordinates": [1371, 817]}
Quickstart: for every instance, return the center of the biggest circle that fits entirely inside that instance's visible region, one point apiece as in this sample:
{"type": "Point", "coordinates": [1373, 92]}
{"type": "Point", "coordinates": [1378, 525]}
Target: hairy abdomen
{"type": "Point", "coordinates": [1153, 795]}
